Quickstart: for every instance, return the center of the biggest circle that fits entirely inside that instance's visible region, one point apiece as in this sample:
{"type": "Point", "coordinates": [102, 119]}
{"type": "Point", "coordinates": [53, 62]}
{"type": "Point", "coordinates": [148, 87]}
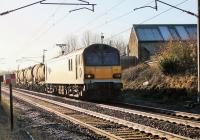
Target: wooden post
{"type": "Point", "coordinates": [198, 51]}
{"type": "Point", "coordinates": [1, 80]}
{"type": "Point", "coordinates": [11, 107]}
{"type": "Point", "coordinates": [0, 92]}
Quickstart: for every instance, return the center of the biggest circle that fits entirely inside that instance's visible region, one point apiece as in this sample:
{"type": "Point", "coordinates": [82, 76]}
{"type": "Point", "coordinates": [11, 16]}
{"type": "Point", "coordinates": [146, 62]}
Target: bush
{"type": "Point", "coordinates": [169, 66]}
{"type": "Point", "coordinates": [178, 57]}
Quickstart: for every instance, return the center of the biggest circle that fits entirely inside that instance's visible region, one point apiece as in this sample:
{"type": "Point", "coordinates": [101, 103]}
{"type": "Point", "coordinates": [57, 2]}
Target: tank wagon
{"type": "Point", "coordinates": [89, 71]}
{"type": "Point", "coordinates": [32, 78]}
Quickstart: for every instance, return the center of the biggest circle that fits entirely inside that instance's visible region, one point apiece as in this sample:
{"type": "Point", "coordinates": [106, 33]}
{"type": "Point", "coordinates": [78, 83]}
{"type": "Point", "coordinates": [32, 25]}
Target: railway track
{"type": "Point", "coordinates": [178, 114]}
{"type": "Point", "coordinates": [109, 126]}
{"type": "Point", "coordinates": [169, 123]}
{"type": "Point", "coordinates": [183, 118]}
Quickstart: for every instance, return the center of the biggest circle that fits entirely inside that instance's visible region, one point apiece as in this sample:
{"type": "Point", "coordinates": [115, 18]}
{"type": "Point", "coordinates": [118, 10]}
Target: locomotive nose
{"type": "Point", "coordinates": [102, 72]}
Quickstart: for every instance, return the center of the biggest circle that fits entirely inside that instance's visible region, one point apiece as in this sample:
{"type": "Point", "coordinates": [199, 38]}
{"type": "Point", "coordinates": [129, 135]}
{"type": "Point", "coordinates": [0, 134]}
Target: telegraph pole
{"type": "Point", "coordinates": [102, 37]}
{"type": "Point", "coordinates": [43, 56]}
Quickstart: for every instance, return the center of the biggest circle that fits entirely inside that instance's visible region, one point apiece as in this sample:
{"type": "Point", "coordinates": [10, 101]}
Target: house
{"type": "Point", "coordinates": [146, 39]}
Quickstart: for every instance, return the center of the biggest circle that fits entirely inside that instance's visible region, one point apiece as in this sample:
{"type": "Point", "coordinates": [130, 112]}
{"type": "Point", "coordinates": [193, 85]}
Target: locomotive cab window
{"type": "Point", "coordinates": [93, 59]}
{"type": "Point", "coordinates": [110, 59]}
{"type": "Point", "coordinates": [102, 56]}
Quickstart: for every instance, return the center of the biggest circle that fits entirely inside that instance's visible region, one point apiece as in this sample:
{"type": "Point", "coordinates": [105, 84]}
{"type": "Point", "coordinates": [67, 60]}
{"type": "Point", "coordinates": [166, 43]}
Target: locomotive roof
{"type": "Point", "coordinates": [82, 50]}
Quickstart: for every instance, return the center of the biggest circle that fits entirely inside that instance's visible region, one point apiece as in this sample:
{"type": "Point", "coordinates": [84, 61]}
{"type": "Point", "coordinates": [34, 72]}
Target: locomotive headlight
{"type": "Point", "coordinates": [117, 75]}
{"type": "Point", "coordinates": [89, 76]}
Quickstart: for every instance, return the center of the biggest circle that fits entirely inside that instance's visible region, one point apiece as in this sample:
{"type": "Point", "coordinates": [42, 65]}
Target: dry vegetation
{"type": "Point", "coordinates": [173, 70]}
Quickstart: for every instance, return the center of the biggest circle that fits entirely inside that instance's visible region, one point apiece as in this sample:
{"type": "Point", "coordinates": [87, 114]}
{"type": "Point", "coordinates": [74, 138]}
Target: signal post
{"type": "Point", "coordinates": [1, 80]}
{"type": "Point", "coordinates": [10, 80]}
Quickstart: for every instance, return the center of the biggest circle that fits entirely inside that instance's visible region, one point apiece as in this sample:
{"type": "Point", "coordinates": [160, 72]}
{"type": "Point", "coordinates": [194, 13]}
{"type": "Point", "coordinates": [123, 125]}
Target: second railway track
{"type": "Point", "coordinates": [164, 123]}
{"type": "Point", "coordinates": [109, 126]}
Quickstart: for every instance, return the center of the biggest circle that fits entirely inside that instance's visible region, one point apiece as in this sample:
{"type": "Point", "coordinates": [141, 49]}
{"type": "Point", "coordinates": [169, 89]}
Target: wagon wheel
{"type": "Point", "coordinates": [66, 92]}
{"type": "Point", "coordinates": [81, 92]}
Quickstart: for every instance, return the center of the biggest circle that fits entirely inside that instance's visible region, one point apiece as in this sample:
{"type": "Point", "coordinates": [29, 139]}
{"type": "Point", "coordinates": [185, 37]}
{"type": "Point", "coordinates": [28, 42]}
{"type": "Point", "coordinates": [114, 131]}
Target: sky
{"type": "Point", "coordinates": [26, 32]}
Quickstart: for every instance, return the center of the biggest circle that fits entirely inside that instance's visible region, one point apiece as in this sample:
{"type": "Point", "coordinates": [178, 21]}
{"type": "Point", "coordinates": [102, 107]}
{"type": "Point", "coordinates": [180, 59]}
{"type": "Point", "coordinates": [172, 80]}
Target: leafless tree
{"type": "Point", "coordinates": [90, 38]}
{"type": "Point", "coordinates": [71, 43]}
{"type": "Point", "coordinates": [86, 38]}
{"type": "Point", "coordinates": [120, 44]}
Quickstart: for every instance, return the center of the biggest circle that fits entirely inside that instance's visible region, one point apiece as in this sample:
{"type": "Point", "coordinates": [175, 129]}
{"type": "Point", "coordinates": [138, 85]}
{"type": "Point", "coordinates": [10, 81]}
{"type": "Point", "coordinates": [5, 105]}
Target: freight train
{"type": "Point", "coordinates": [93, 71]}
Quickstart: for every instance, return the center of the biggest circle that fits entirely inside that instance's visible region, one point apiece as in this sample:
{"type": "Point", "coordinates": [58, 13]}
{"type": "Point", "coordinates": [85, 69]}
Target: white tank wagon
{"type": "Point", "coordinates": [17, 76]}
{"type": "Point", "coordinates": [28, 78]}
{"type": "Point", "coordinates": [32, 78]}
{"type": "Point", "coordinates": [29, 75]}
{"type": "Point", "coordinates": [21, 76]}
{"type": "Point", "coordinates": [39, 73]}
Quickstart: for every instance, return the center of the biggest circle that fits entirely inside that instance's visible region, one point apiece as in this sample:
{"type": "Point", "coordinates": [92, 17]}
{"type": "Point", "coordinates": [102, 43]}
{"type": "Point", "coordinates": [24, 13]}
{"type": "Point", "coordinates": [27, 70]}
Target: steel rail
{"type": "Point", "coordinates": [154, 116]}
{"type": "Point", "coordinates": [150, 115]}
{"type": "Point", "coordinates": [184, 114]}
{"type": "Point", "coordinates": [113, 119]}
{"type": "Point", "coordinates": [73, 120]}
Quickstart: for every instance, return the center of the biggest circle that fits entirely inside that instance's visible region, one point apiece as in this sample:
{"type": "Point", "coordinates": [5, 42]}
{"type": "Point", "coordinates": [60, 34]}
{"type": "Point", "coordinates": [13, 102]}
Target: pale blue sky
{"type": "Point", "coordinates": [27, 32]}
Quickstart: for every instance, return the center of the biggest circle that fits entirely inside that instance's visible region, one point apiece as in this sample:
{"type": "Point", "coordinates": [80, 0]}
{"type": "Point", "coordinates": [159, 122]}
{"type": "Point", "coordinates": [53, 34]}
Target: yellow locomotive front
{"type": "Point", "coordinates": [102, 69]}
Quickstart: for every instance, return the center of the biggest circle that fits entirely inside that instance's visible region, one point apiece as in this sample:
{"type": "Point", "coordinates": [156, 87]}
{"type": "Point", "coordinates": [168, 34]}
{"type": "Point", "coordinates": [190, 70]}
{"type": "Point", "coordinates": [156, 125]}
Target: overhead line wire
{"type": "Point", "coordinates": [22, 7]}
{"type": "Point", "coordinates": [117, 18]}
{"type": "Point", "coordinates": [47, 20]}
{"type": "Point", "coordinates": [52, 25]}
{"type": "Point", "coordinates": [39, 29]}
{"type": "Point", "coordinates": [163, 12]}
{"type": "Point", "coordinates": [147, 20]}
{"type": "Point", "coordinates": [98, 17]}
{"type": "Point", "coordinates": [114, 19]}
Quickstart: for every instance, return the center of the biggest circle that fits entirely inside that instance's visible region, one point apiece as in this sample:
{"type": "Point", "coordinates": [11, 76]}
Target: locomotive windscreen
{"type": "Point", "coordinates": [102, 56]}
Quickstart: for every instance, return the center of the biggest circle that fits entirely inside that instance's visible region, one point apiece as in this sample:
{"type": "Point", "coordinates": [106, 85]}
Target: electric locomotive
{"type": "Point", "coordinates": [94, 71]}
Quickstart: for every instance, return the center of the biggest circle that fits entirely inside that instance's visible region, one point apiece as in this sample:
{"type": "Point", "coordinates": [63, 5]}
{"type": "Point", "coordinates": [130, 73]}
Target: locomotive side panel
{"type": "Point", "coordinates": [65, 70]}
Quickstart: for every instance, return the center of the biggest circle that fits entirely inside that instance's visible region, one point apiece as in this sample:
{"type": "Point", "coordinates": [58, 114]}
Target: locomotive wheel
{"type": "Point", "coordinates": [66, 92]}
{"type": "Point", "coordinates": [80, 94]}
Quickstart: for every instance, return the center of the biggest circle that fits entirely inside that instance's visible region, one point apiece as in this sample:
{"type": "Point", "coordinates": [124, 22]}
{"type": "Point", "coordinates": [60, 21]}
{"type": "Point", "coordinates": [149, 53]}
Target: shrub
{"type": "Point", "coordinates": [178, 57]}
{"type": "Point", "coordinates": [169, 66]}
